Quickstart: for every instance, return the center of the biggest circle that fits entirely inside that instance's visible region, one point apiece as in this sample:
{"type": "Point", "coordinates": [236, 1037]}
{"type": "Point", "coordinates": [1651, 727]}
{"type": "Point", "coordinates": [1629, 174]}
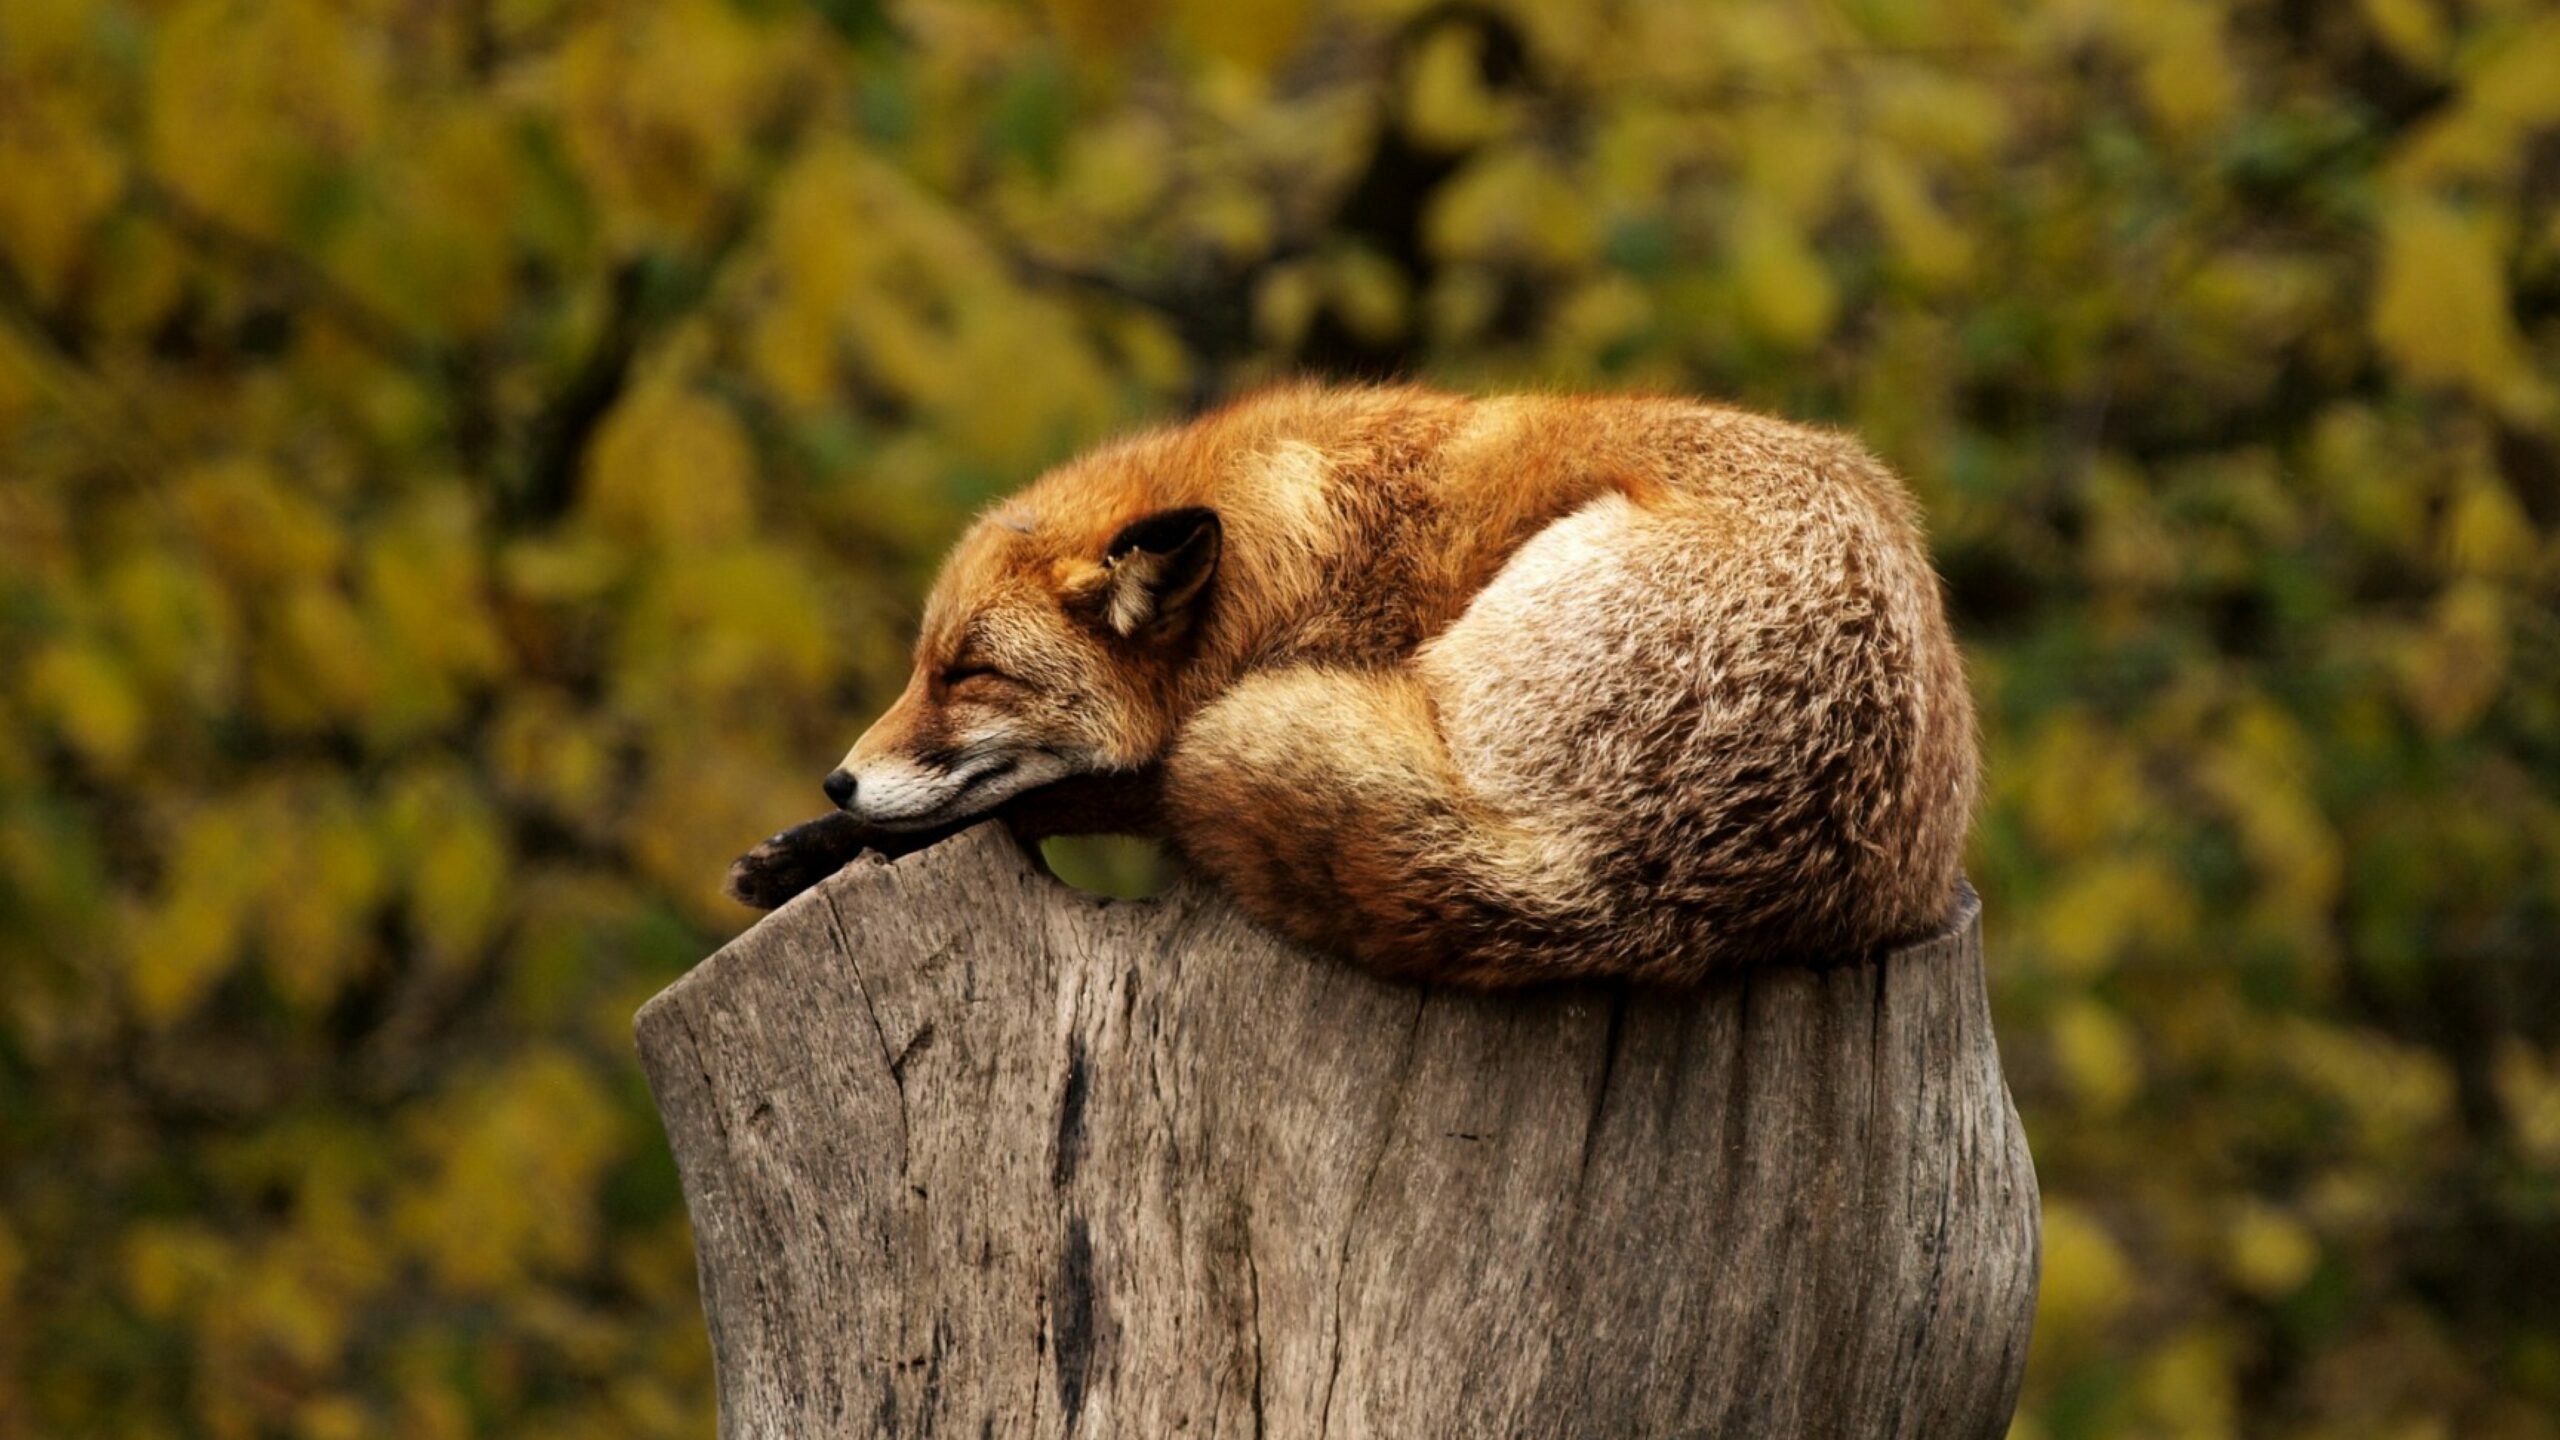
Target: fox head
{"type": "Point", "coordinates": [1040, 658]}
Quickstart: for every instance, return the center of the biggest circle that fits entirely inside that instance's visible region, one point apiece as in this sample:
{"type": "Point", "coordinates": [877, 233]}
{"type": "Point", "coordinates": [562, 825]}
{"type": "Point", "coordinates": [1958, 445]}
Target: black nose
{"type": "Point", "coordinates": [839, 788]}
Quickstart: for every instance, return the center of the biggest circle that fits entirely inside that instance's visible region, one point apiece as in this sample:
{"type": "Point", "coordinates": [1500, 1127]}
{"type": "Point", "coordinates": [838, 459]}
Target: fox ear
{"type": "Point", "coordinates": [1154, 573]}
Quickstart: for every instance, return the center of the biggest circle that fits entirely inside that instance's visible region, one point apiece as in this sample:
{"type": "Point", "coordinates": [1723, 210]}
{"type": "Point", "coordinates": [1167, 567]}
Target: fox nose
{"type": "Point", "coordinates": [839, 788]}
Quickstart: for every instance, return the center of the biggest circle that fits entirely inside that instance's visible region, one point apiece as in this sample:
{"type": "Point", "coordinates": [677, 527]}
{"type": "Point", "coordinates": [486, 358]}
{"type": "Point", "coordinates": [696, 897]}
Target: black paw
{"type": "Point", "coordinates": [794, 860]}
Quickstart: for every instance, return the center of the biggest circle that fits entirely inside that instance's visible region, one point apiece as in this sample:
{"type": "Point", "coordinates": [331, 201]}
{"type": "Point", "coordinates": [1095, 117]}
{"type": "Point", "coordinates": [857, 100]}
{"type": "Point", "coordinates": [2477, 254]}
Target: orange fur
{"type": "Point", "coordinates": [1478, 690]}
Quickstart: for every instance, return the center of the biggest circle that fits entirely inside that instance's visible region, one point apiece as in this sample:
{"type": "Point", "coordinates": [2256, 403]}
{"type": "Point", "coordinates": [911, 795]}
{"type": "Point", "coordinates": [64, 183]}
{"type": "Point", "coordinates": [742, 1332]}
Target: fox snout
{"type": "Point", "coordinates": [907, 793]}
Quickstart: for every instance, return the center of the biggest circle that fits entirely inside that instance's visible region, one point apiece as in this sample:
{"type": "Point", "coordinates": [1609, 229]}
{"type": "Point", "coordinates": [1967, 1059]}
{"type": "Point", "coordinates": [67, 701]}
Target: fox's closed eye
{"type": "Point", "coordinates": [961, 674]}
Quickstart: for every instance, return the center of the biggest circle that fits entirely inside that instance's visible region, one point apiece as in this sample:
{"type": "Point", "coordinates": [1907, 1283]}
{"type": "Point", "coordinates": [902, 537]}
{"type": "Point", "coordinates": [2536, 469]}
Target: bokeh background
{"type": "Point", "coordinates": [467, 469]}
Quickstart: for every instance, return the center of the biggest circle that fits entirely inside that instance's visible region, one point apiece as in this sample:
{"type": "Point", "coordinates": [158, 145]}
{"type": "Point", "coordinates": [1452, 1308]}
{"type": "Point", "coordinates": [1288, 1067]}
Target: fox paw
{"type": "Point", "coordinates": [794, 860]}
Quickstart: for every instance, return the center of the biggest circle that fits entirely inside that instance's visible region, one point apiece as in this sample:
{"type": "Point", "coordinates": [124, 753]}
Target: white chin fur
{"type": "Point", "coordinates": [901, 795]}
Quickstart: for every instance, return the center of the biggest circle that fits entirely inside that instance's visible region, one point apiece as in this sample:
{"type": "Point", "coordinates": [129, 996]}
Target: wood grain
{"type": "Point", "coordinates": [970, 1153]}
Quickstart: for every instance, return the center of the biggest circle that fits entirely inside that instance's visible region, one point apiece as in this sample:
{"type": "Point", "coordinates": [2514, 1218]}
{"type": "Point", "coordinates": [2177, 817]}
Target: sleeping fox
{"type": "Point", "coordinates": [1484, 691]}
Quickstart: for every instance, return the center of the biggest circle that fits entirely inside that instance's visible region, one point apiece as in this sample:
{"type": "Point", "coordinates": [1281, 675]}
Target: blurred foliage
{"type": "Point", "coordinates": [465, 470]}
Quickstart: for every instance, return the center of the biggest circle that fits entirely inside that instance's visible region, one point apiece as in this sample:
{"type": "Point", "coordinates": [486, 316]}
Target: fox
{"type": "Point", "coordinates": [1482, 691]}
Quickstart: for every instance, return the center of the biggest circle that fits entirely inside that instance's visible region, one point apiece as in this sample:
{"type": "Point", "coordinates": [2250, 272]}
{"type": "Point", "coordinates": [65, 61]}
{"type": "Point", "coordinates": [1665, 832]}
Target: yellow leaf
{"type": "Point", "coordinates": [1462, 301]}
{"type": "Point", "coordinates": [1118, 169]}
{"type": "Point", "coordinates": [1509, 203]}
{"type": "Point", "coordinates": [2441, 310]}
{"type": "Point", "coordinates": [744, 625]}
{"type": "Point", "coordinates": [2127, 546]}
{"type": "Point", "coordinates": [1150, 349]}
{"type": "Point", "coordinates": [25, 384]}
{"type": "Point", "coordinates": [167, 1264]}
{"type": "Point", "coordinates": [2528, 1089]}
{"type": "Point", "coordinates": [793, 349]}
{"type": "Point", "coordinates": [318, 911]}
{"type": "Point", "coordinates": [183, 945]}
{"type": "Point", "coordinates": [90, 700]}
{"type": "Point", "coordinates": [1602, 313]}
{"type": "Point", "coordinates": [820, 242]}
{"type": "Point", "coordinates": [427, 609]}
{"type": "Point", "coordinates": [2080, 783]}
{"type": "Point", "coordinates": [1027, 381]}
{"type": "Point", "coordinates": [2258, 773]}
{"type": "Point", "coordinates": [434, 256]}
{"type": "Point", "coordinates": [1784, 290]}
{"type": "Point", "coordinates": [176, 623]}
{"type": "Point", "coordinates": [508, 1163]}
{"type": "Point", "coordinates": [2514, 83]}
{"type": "Point", "coordinates": [2189, 1388]}
{"type": "Point", "coordinates": [326, 667]}
{"type": "Point", "coordinates": [566, 569]}
{"type": "Point", "coordinates": [38, 34]}
{"type": "Point", "coordinates": [1369, 293]}
{"type": "Point", "coordinates": [61, 177]}
{"type": "Point", "coordinates": [1795, 171]}
{"type": "Point", "coordinates": [2103, 909]}
{"type": "Point", "coordinates": [2412, 29]}
{"type": "Point", "coordinates": [283, 1306]}
{"type": "Point", "coordinates": [2097, 1055]}
{"type": "Point", "coordinates": [257, 526]}
{"type": "Point", "coordinates": [2269, 1253]}
{"type": "Point", "coordinates": [334, 1417]}
{"type": "Point", "coordinates": [2485, 531]}
{"type": "Point", "coordinates": [139, 275]}
{"type": "Point", "coordinates": [2086, 1280]}
{"type": "Point", "coordinates": [442, 841]}
{"type": "Point", "coordinates": [2367, 475]}
{"type": "Point", "coordinates": [1237, 219]}
{"type": "Point", "coordinates": [670, 467]}
{"type": "Point", "coordinates": [543, 745]}
{"type": "Point", "coordinates": [1255, 35]}
{"type": "Point", "coordinates": [1933, 112]}
{"type": "Point", "coordinates": [2452, 671]}
{"type": "Point", "coordinates": [246, 101]}
{"type": "Point", "coordinates": [2187, 76]}
{"type": "Point", "coordinates": [1446, 103]}
{"type": "Point", "coordinates": [659, 103]}
{"type": "Point", "coordinates": [1934, 248]}
{"type": "Point", "coordinates": [1284, 305]}
{"type": "Point", "coordinates": [2394, 1094]}
{"type": "Point", "coordinates": [460, 877]}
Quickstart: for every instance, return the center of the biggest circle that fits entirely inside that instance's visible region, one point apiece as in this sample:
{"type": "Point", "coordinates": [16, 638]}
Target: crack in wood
{"type": "Point", "coordinates": [1360, 1201]}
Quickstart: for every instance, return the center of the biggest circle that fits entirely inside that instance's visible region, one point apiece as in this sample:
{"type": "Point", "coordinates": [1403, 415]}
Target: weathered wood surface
{"type": "Point", "coordinates": [970, 1153]}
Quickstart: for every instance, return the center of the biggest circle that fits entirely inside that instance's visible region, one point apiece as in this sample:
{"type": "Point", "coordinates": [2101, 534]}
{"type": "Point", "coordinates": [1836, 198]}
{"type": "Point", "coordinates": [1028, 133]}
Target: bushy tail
{"type": "Point", "coordinates": [1325, 803]}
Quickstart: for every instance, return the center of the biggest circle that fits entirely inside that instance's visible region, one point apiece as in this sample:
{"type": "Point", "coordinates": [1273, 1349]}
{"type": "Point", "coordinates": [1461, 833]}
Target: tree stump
{"type": "Point", "coordinates": [971, 1153]}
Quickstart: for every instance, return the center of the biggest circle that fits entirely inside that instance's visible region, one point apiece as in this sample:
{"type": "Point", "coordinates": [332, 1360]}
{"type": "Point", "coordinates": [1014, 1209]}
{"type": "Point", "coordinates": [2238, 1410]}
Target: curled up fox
{"type": "Point", "coordinates": [1487, 691]}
